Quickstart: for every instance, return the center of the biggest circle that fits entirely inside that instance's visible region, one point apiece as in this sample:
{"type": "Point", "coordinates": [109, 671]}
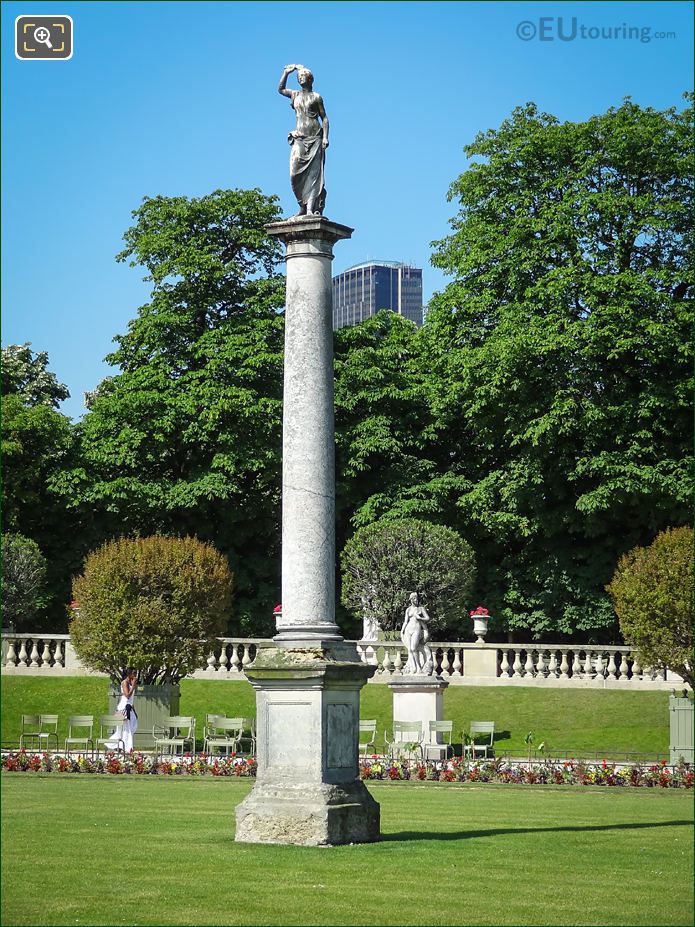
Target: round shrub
{"type": "Point", "coordinates": [23, 581]}
{"type": "Point", "coordinates": [155, 604]}
{"type": "Point", "coordinates": [652, 592]}
{"type": "Point", "coordinates": [384, 562]}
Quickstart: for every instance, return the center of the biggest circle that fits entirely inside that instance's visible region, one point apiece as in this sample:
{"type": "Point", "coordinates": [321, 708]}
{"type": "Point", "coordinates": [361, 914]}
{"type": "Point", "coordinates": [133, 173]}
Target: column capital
{"type": "Point", "coordinates": [308, 228]}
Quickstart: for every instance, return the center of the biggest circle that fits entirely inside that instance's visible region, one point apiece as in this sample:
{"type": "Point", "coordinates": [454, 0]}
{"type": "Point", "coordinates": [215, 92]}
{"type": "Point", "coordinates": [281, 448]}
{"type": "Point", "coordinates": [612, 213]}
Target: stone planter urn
{"type": "Point", "coordinates": [480, 617]}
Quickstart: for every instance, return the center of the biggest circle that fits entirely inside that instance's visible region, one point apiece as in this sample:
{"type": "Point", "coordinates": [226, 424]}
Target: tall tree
{"type": "Point", "coordinates": [185, 439]}
{"type": "Point", "coordinates": [26, 374]}
{"type": "Point", "coordinates": [562, 355]}
{"type": "Point", "coordinates": [37, 445]}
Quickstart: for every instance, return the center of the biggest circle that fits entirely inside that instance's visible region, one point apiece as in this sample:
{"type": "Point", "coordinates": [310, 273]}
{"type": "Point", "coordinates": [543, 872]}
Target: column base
{"type": "Point", "coordinates": [309, 815]}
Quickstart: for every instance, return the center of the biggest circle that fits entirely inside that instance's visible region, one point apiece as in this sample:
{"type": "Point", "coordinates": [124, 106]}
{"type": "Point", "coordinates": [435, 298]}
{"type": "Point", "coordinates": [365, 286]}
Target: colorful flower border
{"type": "Point", "coordinates": [547, 772]}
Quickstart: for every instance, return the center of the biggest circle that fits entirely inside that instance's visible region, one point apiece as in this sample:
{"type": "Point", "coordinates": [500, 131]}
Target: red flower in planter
{"type": "Point", "coordinates": [480, 612]}
{"type": "Point", "coordinates": [277, 610]}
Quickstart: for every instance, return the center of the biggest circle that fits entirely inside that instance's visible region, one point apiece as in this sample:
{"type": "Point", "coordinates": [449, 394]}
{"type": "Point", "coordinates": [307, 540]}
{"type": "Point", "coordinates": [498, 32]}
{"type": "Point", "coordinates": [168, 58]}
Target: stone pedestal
{"type": "Point", "coordinates": [418, 698]}
{"type": "Point", "coordinates": [480, 663]}
{"type": "Point", "coordinates": [308, 789]}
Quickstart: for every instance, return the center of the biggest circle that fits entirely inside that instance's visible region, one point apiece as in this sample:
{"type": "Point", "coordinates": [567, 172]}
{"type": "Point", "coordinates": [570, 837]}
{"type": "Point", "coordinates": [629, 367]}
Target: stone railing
{"type": "Point", "coordinates": [473, 664]}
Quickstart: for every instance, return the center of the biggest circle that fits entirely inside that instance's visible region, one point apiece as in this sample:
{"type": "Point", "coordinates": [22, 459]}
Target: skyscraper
{"type": "Point", "coordinates": [361, 291]}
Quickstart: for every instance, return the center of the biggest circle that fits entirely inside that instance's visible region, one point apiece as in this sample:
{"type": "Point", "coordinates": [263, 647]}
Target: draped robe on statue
{"type": "Point", "coordinates": [307, 157]}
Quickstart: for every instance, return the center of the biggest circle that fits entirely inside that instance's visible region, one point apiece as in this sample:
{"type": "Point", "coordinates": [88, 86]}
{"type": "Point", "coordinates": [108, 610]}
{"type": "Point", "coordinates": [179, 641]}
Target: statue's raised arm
{"type": "Point", "coordinates": [309, 140]}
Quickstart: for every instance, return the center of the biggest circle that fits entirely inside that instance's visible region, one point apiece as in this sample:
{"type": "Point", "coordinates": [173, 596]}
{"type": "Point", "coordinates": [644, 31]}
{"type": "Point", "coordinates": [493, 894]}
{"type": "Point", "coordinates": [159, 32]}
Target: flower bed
{"type": "Point", "coordinates": [549, 772]}
{"type": "Point", "coordinates": [133, 764]}
{"type": "Point", "coordinates": [570, 772]}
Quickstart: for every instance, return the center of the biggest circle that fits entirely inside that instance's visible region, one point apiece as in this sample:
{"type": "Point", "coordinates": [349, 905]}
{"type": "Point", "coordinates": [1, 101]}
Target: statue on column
{"type": "Point", "coordinates": [309, 141]}
{"type": "Point", "coordinates": [415, 635]}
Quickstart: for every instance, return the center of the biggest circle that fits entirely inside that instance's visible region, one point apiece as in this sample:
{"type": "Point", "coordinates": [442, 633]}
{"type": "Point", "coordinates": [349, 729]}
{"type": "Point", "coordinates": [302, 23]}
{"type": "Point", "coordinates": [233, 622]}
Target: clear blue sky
{"type": "Point", "coordinates": [179, 98]}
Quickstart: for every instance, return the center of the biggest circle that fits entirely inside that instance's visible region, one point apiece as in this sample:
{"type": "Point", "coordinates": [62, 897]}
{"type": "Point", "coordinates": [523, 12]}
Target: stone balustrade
{"type": "Point", "coordinates": [551, 665]}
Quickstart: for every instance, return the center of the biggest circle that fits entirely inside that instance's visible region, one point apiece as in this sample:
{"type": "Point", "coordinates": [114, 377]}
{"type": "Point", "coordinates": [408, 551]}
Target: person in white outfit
{"type": "Point", "coordinates": [125, 704]}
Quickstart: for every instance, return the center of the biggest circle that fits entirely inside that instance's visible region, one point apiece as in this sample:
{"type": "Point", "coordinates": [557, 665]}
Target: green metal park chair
{"type": "Point", "coordinates": [405, 740]}
{"type": "Point", "coordinates": [31, 728]}
{"type": "Point", "coordinates": [367, 736]}
{"type": "Point", "coordinates": [80, 734]}
{"type": "Point", "coordinates": [109, 725]}
{"type": "Point", "coordinates": [479, 731]}
{"type": "Point", "coordinates": [221, 733]}
{"type": "Point", "coordinates": [172, 735]}
{"type": "Point", "coordinates": [439, 740]}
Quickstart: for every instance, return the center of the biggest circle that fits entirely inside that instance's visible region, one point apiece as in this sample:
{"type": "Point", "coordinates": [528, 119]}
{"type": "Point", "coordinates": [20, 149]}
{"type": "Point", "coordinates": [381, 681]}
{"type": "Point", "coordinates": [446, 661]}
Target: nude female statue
{"type": "Point", "coordinates": [415, 635]}
{"type": "Point", "coordinates": [309, 141]}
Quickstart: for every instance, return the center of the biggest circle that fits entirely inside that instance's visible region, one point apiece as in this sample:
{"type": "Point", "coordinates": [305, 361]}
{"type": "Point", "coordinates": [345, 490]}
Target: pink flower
{"type": "Point", "coordinates": [480, 612]}
{"type": "Point", "coordinates": [277, 610]}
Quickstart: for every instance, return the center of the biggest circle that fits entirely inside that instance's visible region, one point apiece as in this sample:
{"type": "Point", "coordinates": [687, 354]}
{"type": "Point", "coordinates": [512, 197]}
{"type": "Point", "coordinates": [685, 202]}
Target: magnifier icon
{"type": "Point", "coordinates": [43, 36]}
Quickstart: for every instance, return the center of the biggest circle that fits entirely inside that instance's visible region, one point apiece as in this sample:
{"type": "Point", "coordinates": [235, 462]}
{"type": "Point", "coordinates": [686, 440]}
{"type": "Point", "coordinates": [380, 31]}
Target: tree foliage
{"type": "Point", "coordinates": [652, 591]}
{"type": "Point", "coordinates": [386, 561]}
{"type": "Point", "coordinates": [187, 437]}
{"type": "Point", "coordinates": [561, 356]}
{"type": "Point", "coordinates": [154, 604]}
{"type": "Point", "coordinates": [26, 375]}
{"type": "Point", "coordinates": [23, 582]}
{"type": "Point", "coordinates": [38, 446]}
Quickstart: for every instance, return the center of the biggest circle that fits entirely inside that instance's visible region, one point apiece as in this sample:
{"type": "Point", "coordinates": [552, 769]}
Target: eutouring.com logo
{"type": "Point", "coordinates": [564, 29]}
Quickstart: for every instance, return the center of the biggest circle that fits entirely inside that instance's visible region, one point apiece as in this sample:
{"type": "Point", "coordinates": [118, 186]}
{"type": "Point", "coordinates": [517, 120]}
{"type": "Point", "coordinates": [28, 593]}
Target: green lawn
{"type": "Point", "coordinates": [114, 850]}
{"type": "Point", "coordinates": [570, 722]}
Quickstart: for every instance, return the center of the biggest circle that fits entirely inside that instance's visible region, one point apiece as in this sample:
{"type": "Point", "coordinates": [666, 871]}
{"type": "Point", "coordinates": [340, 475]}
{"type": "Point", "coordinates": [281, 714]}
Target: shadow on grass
{"type": "Point", "coordinates": [504, 831]}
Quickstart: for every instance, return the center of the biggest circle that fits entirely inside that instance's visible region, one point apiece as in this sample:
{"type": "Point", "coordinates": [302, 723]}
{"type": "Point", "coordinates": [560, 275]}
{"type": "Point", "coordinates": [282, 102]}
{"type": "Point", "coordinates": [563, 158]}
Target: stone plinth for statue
{"type": "Point", "coordinates": [418, 698]}
{"type": "Point", "coordinates": [308, 789]}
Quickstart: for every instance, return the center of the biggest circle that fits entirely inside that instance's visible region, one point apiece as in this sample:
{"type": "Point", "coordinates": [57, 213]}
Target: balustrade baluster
{"type": "Point", "coordinates": [59, 654]}
{"type": "Point", "coordinates": [588, 666]}
{"type": "Point", "coordinates": [542, 665]}
{"type": "Point", "coordinates": [504, 665]}
{"type": "Point", "coordinates": [398, 663]}
{"type": "Point", "coordinates": [611, 665]}
{"type": "Point", "coordinates": [34, 654]}
{"type": "Point", "coordinates": [46, 654]}
{"type": "Point", "coordinates": [576, 665]}
{"type": "Point", "coordinates": [623, 666]}
{"type": "Point", "coordinates": [552, 665]}
{"type": "Point", "coordinates": [246, 659]}
{"type": "Point", "coordinates": [371, 656]}
{"type": "Point", "coordinates": [564, 666]}
{"type": "Point", "coordinates": [457, 662]}
{"type": "Point", "coordinates": [236, 662]}
{"type": "Point", "coordinates": [211, 662]}
{"type": "Point", "coordinates": [23, 656]}
{"type": "Point", "coordinates": [388, 665]}
{"type": "Point", "coordinates": [11, 658]}
{"type": "Point", "coordinates": [516, 666]}
{"type": "Point", "coordinates": [598, 663]}
{"type": "Point", "coordinates": [528, 664]}
{"type": "Point", "coordinates": [636, 667]}
{"type": "Point", "coordinates": [224, 659]}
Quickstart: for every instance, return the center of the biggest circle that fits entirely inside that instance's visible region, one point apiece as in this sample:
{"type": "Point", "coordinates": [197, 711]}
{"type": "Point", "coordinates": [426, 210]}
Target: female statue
{"type": "Point", "coordinates": [415, 635]}
{"type": "Point", "coordinates": [309, 141]}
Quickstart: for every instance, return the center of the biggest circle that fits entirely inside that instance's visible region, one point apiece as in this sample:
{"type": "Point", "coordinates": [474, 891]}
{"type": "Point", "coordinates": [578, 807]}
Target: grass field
{"type": "Point", "coordinates": [115, 850]}
{"type": "Point", "coordinates": [570, 722]}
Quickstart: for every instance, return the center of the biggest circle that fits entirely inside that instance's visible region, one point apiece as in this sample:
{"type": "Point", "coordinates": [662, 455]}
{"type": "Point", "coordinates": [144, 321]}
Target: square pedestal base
{"type": "Point", "coordinates": [308, 816]}
{"type": "Point", "coordinates": [308, 791]}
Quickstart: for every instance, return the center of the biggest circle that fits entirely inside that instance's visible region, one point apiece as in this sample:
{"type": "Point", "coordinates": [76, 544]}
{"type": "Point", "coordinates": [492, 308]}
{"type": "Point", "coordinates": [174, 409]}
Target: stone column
{"type": "Point", "coordinates": [308, 789]}
{"type": "Point", "coordinates": [308, 433]}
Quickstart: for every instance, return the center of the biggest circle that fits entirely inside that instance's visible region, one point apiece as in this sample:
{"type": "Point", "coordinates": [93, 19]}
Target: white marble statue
{"type": "Point", "coordinates": [415, 635]}
{"type": "Point", "coordinates": [309, 141]}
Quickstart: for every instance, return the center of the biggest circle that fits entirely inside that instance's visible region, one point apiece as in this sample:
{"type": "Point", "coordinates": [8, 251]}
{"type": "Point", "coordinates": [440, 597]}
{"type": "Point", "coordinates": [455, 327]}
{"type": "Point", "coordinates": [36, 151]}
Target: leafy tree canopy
{"type": "Point", "coordinates": [561, 356]}
{"type": "Point", "coordinates": [23, 582]}
{"type": "Point", "coordinates": [154, 604]}
{"type": "Point", "coordinates": [652, 591]}
{"type": "Point", "coordinates": [186, 438]}
{"type": "Point", "coordinates": [26, 375]}
{"type": "Point", "coordinates": [383, 563]}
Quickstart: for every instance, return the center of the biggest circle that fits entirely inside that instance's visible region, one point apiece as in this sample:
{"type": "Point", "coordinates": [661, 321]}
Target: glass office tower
{"type": "Point", "coordinates": [361, 291]}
